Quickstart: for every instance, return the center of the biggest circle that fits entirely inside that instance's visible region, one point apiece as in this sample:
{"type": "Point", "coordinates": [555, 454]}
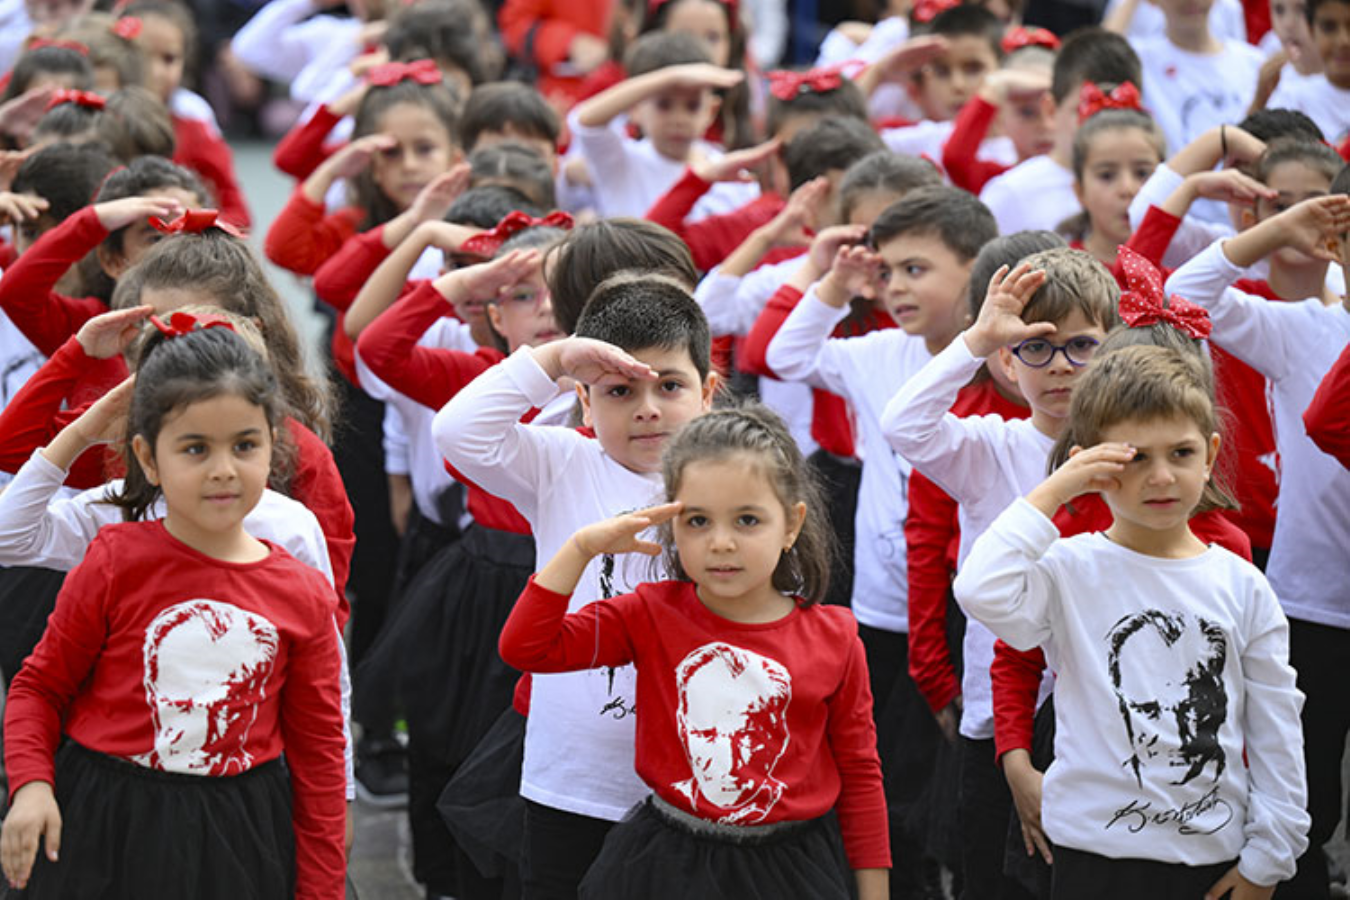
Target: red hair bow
{"type": "Point", "coordinates": [87, 99]}
{"type": "Point", "coordinates": [195, 221]}
{"type": "Point", "coordinates": [38, 43]}
{"type": "Point", "coordinates": [1020, 37]}
{"type": "Point", "coordinates": [489, 242]}
{"type": "Point", "coordinates": [786, 85]}
{"type": "Point", "coordinates": [1092, 99]}
{"type": "Point", "coordinates": [422, 71]}
{"type": "Point", "coordinates": [181, 323]}
{"type": "Point", "coordinates": [128, 28]}
{"type": "Point", "coordinates": [927, 10]}
{"type": "Point", "coordinates": [1144, 303]}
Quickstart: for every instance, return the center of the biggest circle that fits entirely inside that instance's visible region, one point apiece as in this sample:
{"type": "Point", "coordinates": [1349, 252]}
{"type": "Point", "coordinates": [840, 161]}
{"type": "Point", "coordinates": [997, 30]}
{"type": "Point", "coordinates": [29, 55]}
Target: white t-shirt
{"type": "Point", "coordinates": [1319, 100]}
{"type": "Point", "coordinates": [285, 36]}
{"type": "Point", "coordinates": [1034, 195]}
{"type": "Point", "coordinates": [927, 138]}
{"type": "Point", "coordinates": [1190, 93]}
{"type": "Point", "coordinates": [1177, 716]}
{"type": "Point", "coordinates": [1226, 21]}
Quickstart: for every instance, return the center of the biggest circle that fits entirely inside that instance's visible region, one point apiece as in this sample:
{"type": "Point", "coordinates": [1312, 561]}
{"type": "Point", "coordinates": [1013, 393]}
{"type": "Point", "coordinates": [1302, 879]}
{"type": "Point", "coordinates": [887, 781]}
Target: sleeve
{"type": "Point", "coordinates": [340, 279]}
{"type": "Point", "coordinates": [395, 439]}
{"type": "Point", "coordinates": [803, 350]}
{"type": "Point", "coordinates": [319, 487]}
{"type": "Point", "coordinates": [1277, 824]}
{"type": "Point", "coordinates": [1262, 334]}
{"type": "Point", "coordinates": [711, 238]}
{"type": "Point", "coordinates": [917, 423]}
{"type": "Point", "coordinates": [207, 154]}
{"type": "Point", "coordinates": [268, 44]}
{"type": "Point", "coordinates": [1191, 236]}
{"type": "Point", "coordinates": [674, 206]}
{"type": "Point", "coordinates": [532, 34]}
{"type": "Point", "coordinates": [302, 150]}
{"type": "Point", "coordinates": [1004, 583]}
{"type": "Point", "coordinates": [961, 151]}
{"type": "Point", "coordinates": [52, 675]}
{"type": "Point", "coordinates": [1328, 416]}
{"type": "Point", "coordinates": [765, 326]}
{"type": "Point", "coordinates": [36, 529]}
{"type": "Point", "coordinates": [540, 636]}
{"type": "Point", "coordinates": [604, 148]}
{"type": "Point", "coordinates": [315, 746]}
{"type": "Point", "coordinates": [1152, 239]}
{"type": "Point", "coordinates": [930, 528]}
{"type": "Point", "coordinates": [1015, 676]}
{"type": "Point", "coordinates": [302, 236]}
{"type": "Point", "coordinates": [27, 292]}
{"type": "Point", "coordinates": [853, 742]}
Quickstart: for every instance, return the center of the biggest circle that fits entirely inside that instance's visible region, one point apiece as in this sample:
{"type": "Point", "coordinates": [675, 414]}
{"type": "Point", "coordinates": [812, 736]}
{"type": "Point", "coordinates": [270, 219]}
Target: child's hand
{"type": "Point", "coordinates": [1313, 225]}
{"type": "Point", "coordinates": [10, 162]}
{"type": "Point", "coordinates": [489, 279]}
{"type": "Point", "coordinates": [1000, 323]}
{"type": "Point", "coordinates": [620, 534]}
{"type": "Point", "coordinates": [354, 158]}
{"type": "Point", "coordinates": [739, 165]}
{"type": "Point", "coordinates": [1241, 888]}
{"type": "Point", "coordinates": [1004, 85]}
{"type": "Point", "coordinates": [1025, 782]}
{"type": "Point", "coordinates": [105, 336]}
{"type": "Point", "coordinates": [445, 236]}
{"type": "Point", "coordinates": [949, 721]}
{"type": "Point", "coordinates": [16, 208]}
{"type": "Point", "coordinates": [587, 52]}
{"type": "Point", "coordinates": [853, 274]}
{"type": "Point", "coordinates": [907, 58]}
{"type": "Point", "coordinates": [700, 75]}
{"type": "Point", "coordinates": [367, 61]}
{"type": "Point", "coordinates": [349, 102]}
{"type": "Point", "coordinates": [587, 361]}
{"type": "Point", "coordinates": [789, 227]}
{"type": "Point", "coordinates": [18, 117]}
{"type": "Point", "coordinates": [33, 816]}
{"type": "Point", "coordinates": [115, 214]}
{"type": "Point", "coordinates": [1091, 471]}
{"type": "Point", "coordinates": [105, 419]}
{"type": "Point", "coordinates": [1230, 186]}
{"type": "Point", "coordinates": [434, 200]}
{"type": "Point", "coordinates": [1244, 148]}
{"type": "Point", "coordinates": [825, 247]}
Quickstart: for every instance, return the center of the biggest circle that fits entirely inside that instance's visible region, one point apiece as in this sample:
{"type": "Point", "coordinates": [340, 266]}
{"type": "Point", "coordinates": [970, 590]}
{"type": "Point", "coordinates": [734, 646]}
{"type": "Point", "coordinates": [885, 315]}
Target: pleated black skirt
{"type": "Point", "coordinates": [482, 806]}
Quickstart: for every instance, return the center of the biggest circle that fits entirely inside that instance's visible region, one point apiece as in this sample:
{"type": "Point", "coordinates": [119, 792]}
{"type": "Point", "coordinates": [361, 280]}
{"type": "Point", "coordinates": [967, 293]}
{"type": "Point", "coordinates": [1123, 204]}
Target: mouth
{"type": "Point", "coordinates": [723, 571]}
{"type": "Point", "coordinates": [904, 311]}
{"type": "Point", "coordinates": [650, 440]}
{"type": "Point", "coordinates": [551, 334]}
{"type": "Point", "coordinates": [221, 499]}
{"type": "Point", "coordinates": [1162, 502]}
{"type": "Point", "coordinates": [1058, 392]}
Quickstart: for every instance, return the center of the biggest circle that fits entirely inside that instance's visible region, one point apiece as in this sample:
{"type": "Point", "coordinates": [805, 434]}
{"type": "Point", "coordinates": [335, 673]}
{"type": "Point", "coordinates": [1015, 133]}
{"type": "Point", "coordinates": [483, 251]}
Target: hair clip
{"type": "Point", "coordinates": [925, 11]}
{"type": "Point", "coordinates": [786, 85]}
{"type": "Point", "coordinates": [1145, 303]}
{"type": "Point", "coordinates": [182, 323]}
{"type": "Point", "coordinates": [195, 221]}
{"type": "Point", "coordinates": [128, 28]}
{"type": "Point", "coordinates": [422, 71]}
{"type": "Point", "coordinates": [38, 43]}
{"type": "Point", "coordinates": [1092, 99]}
{"type": "Point", "coordinates": [1022, 37]}
{"type": "Point", "coordinates": [489, 242]}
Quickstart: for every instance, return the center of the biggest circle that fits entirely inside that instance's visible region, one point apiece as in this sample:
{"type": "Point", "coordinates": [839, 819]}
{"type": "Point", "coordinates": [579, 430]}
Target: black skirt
{"type": "Point", "coordinates": [27, 598]}
{"type": "Point", "coordinates": [131, 833]}
{"type": "Point", "coordinates": [657, 855]}
{"type": "Point", "coordinates": [482, 806]}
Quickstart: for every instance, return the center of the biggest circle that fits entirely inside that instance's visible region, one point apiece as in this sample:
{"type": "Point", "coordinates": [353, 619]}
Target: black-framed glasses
{"type": "Point", "coordinates": [1038, 352]}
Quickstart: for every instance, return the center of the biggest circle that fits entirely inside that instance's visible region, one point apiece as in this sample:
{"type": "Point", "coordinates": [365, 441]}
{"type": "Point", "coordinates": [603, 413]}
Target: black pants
{"type": "Point", "coordinates": [1318, 653]}
{"type": "Point", "coordinates": [557, 850]}
{"type": "Point", "coordinates": [983, 812]}
{"type": "Point", "coordinates": [1079, 874]}
{"type": "Point", "coordinates": [839, 479]}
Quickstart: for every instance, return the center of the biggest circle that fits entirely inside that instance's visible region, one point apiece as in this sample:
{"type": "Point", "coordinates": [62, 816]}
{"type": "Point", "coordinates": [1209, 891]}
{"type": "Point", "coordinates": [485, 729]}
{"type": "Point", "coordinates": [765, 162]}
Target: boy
{"type": "Point", "coordinates": [578, 776]}
{"type": "Point", "coordinates": [1294, 345]}
{"type": "Point", "coordinates": [1037, 195]}
{"type": "Point", "coordinates": [1325, 97]}
{"type": "Point", "coordinates": [669, 97]}
{"type": "Point", "coordinates": [985, 463]}
{"type": "Point", "coordinates": [510, 111]}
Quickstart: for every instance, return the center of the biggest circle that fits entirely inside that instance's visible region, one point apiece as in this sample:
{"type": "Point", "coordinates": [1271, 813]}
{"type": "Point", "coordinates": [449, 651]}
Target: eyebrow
{"type": "Point", "coordinates": [247, 432]}
{"type": "Point", "coordinates": [745, 508]}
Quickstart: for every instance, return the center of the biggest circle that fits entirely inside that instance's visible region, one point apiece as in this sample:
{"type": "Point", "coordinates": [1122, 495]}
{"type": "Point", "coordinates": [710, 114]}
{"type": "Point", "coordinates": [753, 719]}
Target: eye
{"type": "Point", "coordinates": [1082, 345]}
{"type": "Point", "coordinates": [696, 521]}
{"type": "Point", "coordinates": [914, 271]}
{"type": "Point", "coordinates": [1036, 348]}
{"type": "Point", "coordinates": [248, 445]}
{"type": "Point", "coordinates": [194, 449]}
{"type": "Point", "coordinates": [664, 104]}
{"type": "Point", "coordinates": [672, 385]}
{"type": "Point", "coordinates": [1184, 452]}
{"type": "Point", "coordinates": [747, 520]}
{"type": "Point", "coordinates": [618, 391]}
{"type": "Point", "coordinates": [1139, 456]}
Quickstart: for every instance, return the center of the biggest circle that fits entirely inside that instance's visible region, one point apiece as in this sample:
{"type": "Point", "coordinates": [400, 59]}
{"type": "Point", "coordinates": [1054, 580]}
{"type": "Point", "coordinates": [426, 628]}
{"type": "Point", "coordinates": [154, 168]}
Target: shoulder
{"type": "Point", "coordinates": [1243, 53]}
{"type": "Point", "coordinates": [305, 587]}
{"type": "Point", "coordinates": [830, 622]}
{"type": "Point", "coordinates": [184, 104]}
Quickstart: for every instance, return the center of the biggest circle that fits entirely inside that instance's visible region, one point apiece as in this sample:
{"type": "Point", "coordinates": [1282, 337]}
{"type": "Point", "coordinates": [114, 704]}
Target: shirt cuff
{"type": "Point", "coordinates": [530, 378]}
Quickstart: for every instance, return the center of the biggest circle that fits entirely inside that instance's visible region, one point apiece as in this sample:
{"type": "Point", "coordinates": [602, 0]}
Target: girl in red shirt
{"type": "Point", "coordinates": [183, 658]}
{"type": "Point", "coordinates": [755, 713]}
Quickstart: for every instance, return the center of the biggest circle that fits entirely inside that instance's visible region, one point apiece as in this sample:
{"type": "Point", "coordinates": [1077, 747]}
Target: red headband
{"type": "Point", "coordinates": [1144, 303]}
{"type": "Point", "coordinates": [1092, 100]}
{"type": "Point", "coordinates": [422, 71]}
{"type": "Point", "coordinates": [127, 28]}
{"type": "Point", "coordinates": [182, 323]}
{"type": "Point", "coordinates": [195, 221]}
{"type": "Point", "coordinates": [39, 43]}
{"type": "Point", "coordinates": [87, 99]}
{"type": "Point", "coordinates": [489, 242]}
{"type": "Point", "coordinates": [787, 85]}
{"type": "Point", "coordinates": [1020, 38]}
{"type": "Point", "coordinates": [925, 11]}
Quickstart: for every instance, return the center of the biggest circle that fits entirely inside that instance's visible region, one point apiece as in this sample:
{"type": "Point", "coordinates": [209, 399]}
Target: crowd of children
{"type": "Point", "coordinates": [920, 475]}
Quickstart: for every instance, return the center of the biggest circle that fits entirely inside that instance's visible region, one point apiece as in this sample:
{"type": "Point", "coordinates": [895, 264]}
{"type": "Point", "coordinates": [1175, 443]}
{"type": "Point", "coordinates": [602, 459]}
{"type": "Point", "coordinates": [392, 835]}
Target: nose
{"type": "Point", "coordinates": [723, 539]}
{"type": "Point", "coordinates": [646, 409]}
{"type": "Point", "coordinates": [1160, 473]}
{"type": "Point", "coordinates": [222, 466]}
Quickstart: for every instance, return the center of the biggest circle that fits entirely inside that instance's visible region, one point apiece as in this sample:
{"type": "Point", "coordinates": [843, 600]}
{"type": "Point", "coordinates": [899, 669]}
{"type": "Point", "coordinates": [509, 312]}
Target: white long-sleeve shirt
{"type": "Point", "coordinates": [1169, 669]}
{"type": "Point", "coordinates": [984, 463]}
{"type": "Point", "coordinates": [285, 36]}
{"type": "Point", "coordinates": [1293, 345]}
{"type": "Point", "coordinates": [1036, 194]}
{"type": "Point", "coordinates": [579, 737]}
{"type": "Point", "coordinates": [866, 371]}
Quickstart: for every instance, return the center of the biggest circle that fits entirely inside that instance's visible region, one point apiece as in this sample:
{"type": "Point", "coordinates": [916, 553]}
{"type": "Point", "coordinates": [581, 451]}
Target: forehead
{"type": "Point", "coordinates": [696, 15]}
{"type": "Point", "coordinates": [968, 48]}
{"type": "Point", "coordinates": [1121, 145]}
{"type": "Point", "coordinates": [159, 32]}
{"type": "Point", "coordinates": [1154, 432]}
{"type": "Point", "coordinates": [1075, 323]}
{"type": "Point", "coordinates": [689, 95]}
{"type": "Point", "coordinates": [734, 480]}
{"type": "Point", "coordinates": [667, 360]}
{"type": "Point", "coordinates": [927, 245]}
{"type": "Point", "coordinates": [1298, 177]}
{"type": "Point", "coordinates": [220, 416]}
{"type": "Point", "coordinates": [1333, 10]}
{"type": "Point", "coordinates": [410, 118]}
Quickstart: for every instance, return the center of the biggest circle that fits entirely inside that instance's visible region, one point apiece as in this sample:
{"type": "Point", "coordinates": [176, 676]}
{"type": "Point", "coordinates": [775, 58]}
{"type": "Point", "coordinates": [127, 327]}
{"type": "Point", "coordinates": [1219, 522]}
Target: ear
{"type": "Point", "coordinates": [1248, 217]}
{"type": "Point", "coordinates": [1005, 360]}
{"type": "Point", "coordinates": [494, 317]}
{"type": "Point", "coordinates": [1048, 105]}
{"type": "Point", "coordinates": [710, 386]}
{"type": "Point", "coordinates": [1213, 453]}
{"type": "Point", "coordinates": [714, 106]}
{"type": "Point", "coordinates": [584, 395]}
{"type": "Point", "coordinates": [145, 455]}
{"type": "Point", "coordinates": [1078, 191]}
{"type": "Point", "coordinates": [113, 264]}
{"type": "Point", "coordinates": [796, 519]}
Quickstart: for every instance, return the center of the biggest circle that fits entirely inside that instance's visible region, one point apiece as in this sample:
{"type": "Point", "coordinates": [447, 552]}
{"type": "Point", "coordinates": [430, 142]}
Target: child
{"type": "Point", "coordinates": [1185, 643]}
{"type": "Point", "coordinates": [577, 778]}
{"type": "Point", "coordinates": [130, 122]}
{"type": "Point", "coordinates": [1325, 98]}
{"type": "Point", "coordinates": [1294, 345]}
{"type": "Point", "coordinates": [754, 696]}
{"type": "Point", "coordinates": [510, 111]}
{"type": "Point", "coordinates": [984, 462]}
{"type": "Point", "coordinates": [117, 668]}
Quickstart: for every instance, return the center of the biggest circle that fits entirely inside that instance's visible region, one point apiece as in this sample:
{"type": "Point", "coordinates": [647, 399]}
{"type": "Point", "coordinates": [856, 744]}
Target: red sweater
{"type": "Point", "coordinates": [303, 150]}
{"type": "Point", "coordinates": [712, 239]}
{"type": "Point", "coordinates": [243, 678]}
{"type": "Point", "coordinates": [932, 546]}
{"type": "Point", "coordinates": [199, 147]}
{"type": "Point", "coordinates": [303, 236]}
{"type": "Point", "coordinates": [1328, 416]}
{"type": "Point", "coordinates": [27, 292]}
{"type": "Point", "coordinates": [340, 279]}
{"type": "Point", "coordinates": [787, 701]}
{"type": "Point", "coordinates": [540, 33]}
{"type": "Point", "coordinates": [960, 154]}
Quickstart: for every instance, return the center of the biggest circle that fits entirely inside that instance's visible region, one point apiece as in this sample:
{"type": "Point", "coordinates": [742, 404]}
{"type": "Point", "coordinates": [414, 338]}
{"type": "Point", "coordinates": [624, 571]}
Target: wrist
{"type": "Point", "coordinates": [832, 292]}
{"type": "Point", "coordinates": [978, 343]}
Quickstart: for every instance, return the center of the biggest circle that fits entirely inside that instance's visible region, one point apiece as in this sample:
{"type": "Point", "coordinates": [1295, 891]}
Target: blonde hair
{"type": "Point", "coordinates": [1073, 280]}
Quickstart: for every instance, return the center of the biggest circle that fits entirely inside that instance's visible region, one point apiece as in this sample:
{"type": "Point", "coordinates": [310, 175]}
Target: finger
{"type": "Point", "coordinates": [663, 513]}
{"type": "Point", "coordinates": [650, 548]}
{"type": "Point", "coordinates": [996, 280]}
{"type": "Point", "coordinates": [1028, 841]}
{"type": "Point", "coordinates": [1043, 846]}
{"type": "Point", "coordinates": [1223, 885]}
{"type": "Point", "coordinates": [52, 839]}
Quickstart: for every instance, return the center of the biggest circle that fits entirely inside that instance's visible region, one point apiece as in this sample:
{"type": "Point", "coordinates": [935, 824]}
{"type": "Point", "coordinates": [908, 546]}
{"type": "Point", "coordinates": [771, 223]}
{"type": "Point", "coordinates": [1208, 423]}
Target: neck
{"type": "Point", "coordinates": [235, 545]}
{"type": "Point", "coordinates": [481, 333]}
{"type": "Point", "coordinates": [1192, 38]}
{"type": "Point", "coordinates": [1062, 152]}
{"type": "Point", "coordinates": [766, 605]}
{"type": "Point", "coordinates": [1171, 543]}
{"type": "Point", "coordinates": [1101, 247]}
{"type": "Point", "coordinates": [1299, 282]}
{"type": "Point", "coordinates": [1046, 424]}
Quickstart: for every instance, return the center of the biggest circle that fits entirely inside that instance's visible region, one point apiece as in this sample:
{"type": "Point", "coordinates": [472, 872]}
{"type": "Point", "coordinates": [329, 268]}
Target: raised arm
{"type": "Point", "coordinates": [1328, 416]}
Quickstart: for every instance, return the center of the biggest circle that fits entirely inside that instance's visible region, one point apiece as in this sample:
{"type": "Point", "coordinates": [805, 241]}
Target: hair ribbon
{"type": "Point", "coordinates": [195, 221]}
{"type": "Point", "coordinates": [925, 11]}
{"type": "Point", "coordinates": [490, 241]}
{"type": "Point", "coordinates": [1021, 37]}
{"type": "Point", "coordinates": [183, 323]}
{"type": "Point", "coordinates": [1092, 99]}
{"type": "Point", "coordinates": [38, 43]}
{"type": "Point", "coordinates": [1144, 303]}
{"type": "Point", "coordinates": [422, 71]}
{"type": "Point", "coordinates": [786, 85]}
{"type": "Point", "coordinates": [86, 99]}
{"type": "Point", "coordinates": [128, 28]}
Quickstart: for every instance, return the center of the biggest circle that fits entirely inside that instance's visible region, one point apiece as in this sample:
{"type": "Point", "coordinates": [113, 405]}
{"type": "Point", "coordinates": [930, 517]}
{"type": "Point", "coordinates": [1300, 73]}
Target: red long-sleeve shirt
{"type": "Point", "coordinates": [264, 678]}
{"type": "Point", "coordinates": [303, 150]}
{"type": "Point", "coordinates": [710, 240]}
{"type": "Point", "coordinates": [960, 153]}
{"type": "Point", "coordinates": [27, 292]}
{"type": "Point", "coordinates": [800, 700]}
{"type": "Point", "coordinates": [1328, 416]}
{"type": "Point", "coordinates": [540, 33]}
{"type": "Point", "coordinates": [199, 147]}
{"type": "Point", "coordinates": [303, 235]}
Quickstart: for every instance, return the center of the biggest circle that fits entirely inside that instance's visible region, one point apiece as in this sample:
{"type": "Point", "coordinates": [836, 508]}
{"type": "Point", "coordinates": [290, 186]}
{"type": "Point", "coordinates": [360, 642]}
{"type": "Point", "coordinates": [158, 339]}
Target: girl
{"type": "Point", "coordinates": [130, 121]}
{"type": "Point", "coordinates": [755, 715]}
{"type": "Point", "coordinates": [178, 695]}
{"type": "Point", "coordinates": [1114, 153]}
{"type": "Point", "coordinates": [1177, 769]}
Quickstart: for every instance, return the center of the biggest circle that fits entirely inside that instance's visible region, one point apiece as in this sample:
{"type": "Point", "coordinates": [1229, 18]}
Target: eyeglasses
{"type": "Point", "coordinates": [1038, 352]}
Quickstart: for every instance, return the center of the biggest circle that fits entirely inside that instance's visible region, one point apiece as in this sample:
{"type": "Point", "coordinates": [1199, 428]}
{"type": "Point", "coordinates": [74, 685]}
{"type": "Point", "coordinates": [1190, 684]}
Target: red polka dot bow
{"type": "Point", "coordinates": [422, 71]}
{"type": "Point", "coordinates": [39, 43]}
{"type": "Point", "coordinates": [489, 242]}
{"type": "Point", "coordinates": [1144, 303]}
{"type": "Point", "coordinates": [128, 28]}
{"type": "Point", "coordinates": [1020, 37]}
{"type": "Point", "coordinates": [195, 221]}
{"type": "Point", "coordinates": [786, 85]}
{"type": "Point", "coordinates": [87, 99]}
{"type": "Point", "coordinates": [928, 10]}
{"type": "Point", "coordinates": [182, 323]}
{"type": "Point", "coordinates": [1092, 99]}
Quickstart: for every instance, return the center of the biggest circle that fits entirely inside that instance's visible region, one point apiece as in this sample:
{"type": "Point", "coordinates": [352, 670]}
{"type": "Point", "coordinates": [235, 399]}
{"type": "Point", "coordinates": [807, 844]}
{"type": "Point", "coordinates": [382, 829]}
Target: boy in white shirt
{"type": "Point", "coordinates": [1325, 98]}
